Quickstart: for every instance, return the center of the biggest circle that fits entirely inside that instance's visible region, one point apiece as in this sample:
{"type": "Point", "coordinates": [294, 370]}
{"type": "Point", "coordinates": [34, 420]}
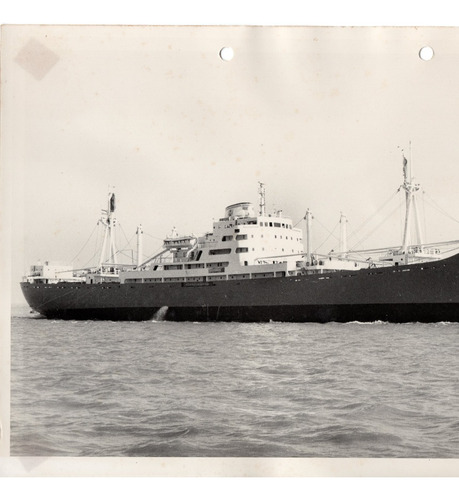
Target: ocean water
{"type": "Point", "coordinates": [94, 388]}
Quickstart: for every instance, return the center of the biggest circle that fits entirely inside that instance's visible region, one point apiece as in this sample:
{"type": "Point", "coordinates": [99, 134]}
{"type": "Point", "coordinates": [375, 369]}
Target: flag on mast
{"type": "Point", "coordinates": [112, 203]}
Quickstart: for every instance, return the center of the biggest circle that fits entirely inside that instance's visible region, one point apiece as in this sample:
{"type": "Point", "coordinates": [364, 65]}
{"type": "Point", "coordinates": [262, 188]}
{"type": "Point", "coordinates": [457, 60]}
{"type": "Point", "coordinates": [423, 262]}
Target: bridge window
{"type": "Point", "coordinates": [194, 266]}
{"type": "Point", "coordinates": [220, 251]}
{"type": "Point", "coordinates": [217, 265]}
{"type": "Point", "coordinates": [173, 267]}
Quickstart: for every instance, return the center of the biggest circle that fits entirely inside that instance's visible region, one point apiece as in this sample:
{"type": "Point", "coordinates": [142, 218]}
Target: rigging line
{"type": "Point", "coordinates": [326, 229]}
{"type": "Point", "coordinates": [359, 228]}
{"type": "Point", "coordinates": [124, 234]}
{"type": "Point", "coordinates": [154, 237]}
{"type": "Point", "coordinates": [437, 206]}
{"type": "Point", "coordinates": [124, 252]}
{"type": "Point", "coordinates": [96, 247]}
{"type": "Point", "coordinates": [442, 212]}
{"type": "Point", "coordinates": [125, 247]}
{"type": "Point", "coordinates": [327, 238]}
{"type": "Point", "coordinates": [95, 253]}
{"type": "Point", "coordinates": [159, 249]}
{"type": "Point", "coordinates": [354, 233]}
{"type": "Point", "coordinates": [375, 229]}
{"type": "Point", "coordinates": [87, 241]}
{"type": "Point", "coordinates": [438, 209]}
{"type": "Point", "coordinates": [116, 253]}
{"type": "Point", "coordinates": [302, 218]}
{"type": "Point", "coordinates": [351, 227]}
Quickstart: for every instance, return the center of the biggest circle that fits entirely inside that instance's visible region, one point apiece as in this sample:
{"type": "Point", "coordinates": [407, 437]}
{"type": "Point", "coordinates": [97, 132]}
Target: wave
{"type": "Point", "coordinates": [355, 437]}
{"type": "Point", "coordinates": [378, 322]}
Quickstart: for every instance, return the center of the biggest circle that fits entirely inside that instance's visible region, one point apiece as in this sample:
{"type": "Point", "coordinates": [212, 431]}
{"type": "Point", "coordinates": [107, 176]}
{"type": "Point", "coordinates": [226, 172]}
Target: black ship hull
{"type": "Point", "coordinates": [426, 292]}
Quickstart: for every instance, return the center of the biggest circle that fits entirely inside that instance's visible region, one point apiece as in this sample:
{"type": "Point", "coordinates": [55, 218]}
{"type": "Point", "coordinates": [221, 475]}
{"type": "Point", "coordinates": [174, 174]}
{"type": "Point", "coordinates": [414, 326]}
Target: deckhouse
{"type": "Point", "coordinates": [242, 245]}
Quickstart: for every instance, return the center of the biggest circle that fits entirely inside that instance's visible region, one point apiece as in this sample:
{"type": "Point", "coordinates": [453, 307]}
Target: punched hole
{"type": "Point", "coordinates": [226, 54]}
{"type": "Point", "coordinates": [426, 53]}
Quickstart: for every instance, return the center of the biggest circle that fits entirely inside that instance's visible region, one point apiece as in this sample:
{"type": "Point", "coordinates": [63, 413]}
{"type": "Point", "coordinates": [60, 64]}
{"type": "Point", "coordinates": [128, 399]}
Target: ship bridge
{"type": "Point", "coordinates": [179, 242]}
{"type": "Point", "coordinates": [245, 243]}
{"type": "Point", "coordinates": [239, 210]}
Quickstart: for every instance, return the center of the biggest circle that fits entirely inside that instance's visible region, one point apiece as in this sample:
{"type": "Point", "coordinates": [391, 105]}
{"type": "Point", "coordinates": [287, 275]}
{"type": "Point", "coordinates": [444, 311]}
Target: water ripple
{"type": "Point", "coordinates": [209, 389]}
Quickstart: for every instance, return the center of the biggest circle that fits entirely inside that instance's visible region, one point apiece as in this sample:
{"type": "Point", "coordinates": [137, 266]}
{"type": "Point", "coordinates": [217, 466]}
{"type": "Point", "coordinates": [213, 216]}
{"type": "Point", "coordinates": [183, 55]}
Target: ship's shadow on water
{"type": "Point", "coordinates": [158, 388]}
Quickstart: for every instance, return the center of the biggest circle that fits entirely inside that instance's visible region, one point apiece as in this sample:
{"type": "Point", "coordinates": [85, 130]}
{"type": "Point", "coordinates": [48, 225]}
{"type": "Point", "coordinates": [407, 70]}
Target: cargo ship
{"type": "Point", "coordinates": [255, 267]}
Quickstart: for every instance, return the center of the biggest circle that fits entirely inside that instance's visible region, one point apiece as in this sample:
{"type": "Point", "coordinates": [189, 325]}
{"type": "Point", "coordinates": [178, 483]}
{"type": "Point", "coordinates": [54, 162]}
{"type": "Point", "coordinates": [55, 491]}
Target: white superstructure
{"type": "Point", "coordinates": [50, 273]}
{"type": "Point", "coordinates": [242, 245]}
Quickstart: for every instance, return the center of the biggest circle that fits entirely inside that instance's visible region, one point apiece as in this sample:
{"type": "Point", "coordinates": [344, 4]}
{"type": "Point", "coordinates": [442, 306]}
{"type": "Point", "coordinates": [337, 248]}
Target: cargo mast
{"type": "Point", "coordinates": [109, 221]}
{"type": "Point", "coordinates": [308, 217]}
{"type": "Point", "coordinates": [139, 245]}
{"type": "Point", "coordinates": [261, 198]}
{"type": "Point", "coordinates": [343, 234]}
{"type": "Point", "coordinates": [410, 188]}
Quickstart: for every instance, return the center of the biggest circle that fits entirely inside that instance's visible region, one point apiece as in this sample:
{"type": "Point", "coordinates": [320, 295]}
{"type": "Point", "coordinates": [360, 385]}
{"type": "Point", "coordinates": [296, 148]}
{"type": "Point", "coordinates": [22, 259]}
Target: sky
{"type": "Point", "coordinates": [320, 115]}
